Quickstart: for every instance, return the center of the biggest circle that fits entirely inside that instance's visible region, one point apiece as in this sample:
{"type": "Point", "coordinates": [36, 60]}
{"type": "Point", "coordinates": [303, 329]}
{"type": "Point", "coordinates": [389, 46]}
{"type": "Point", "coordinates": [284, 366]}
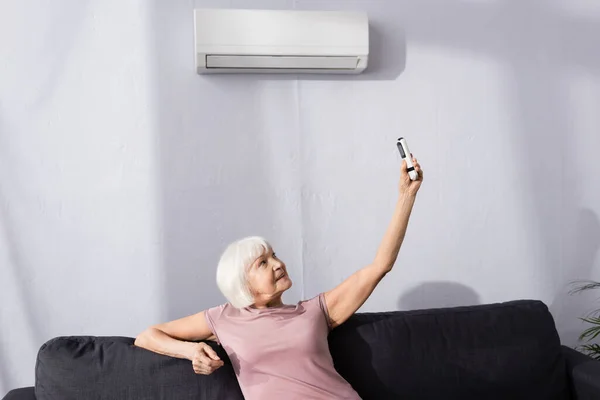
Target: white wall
{"type": "Point", "coordinates": [123, 174]}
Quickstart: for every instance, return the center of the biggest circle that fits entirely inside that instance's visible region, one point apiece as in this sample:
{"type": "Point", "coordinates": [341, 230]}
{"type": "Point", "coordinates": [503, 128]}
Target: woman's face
{"type": "Point", "coordinates": [268, 278]}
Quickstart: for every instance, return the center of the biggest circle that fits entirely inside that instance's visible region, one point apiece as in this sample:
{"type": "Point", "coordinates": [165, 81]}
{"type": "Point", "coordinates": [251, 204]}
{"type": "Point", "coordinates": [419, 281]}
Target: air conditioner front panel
{"type": "Point", "coordinates": [230, 40]}
{"type": "Point", "coordinates": [280, 62]}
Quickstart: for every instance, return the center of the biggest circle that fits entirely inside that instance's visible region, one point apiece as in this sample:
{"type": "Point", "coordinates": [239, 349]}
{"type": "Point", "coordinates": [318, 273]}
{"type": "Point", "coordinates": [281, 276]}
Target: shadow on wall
{"type": "Point", "coordinates": [387, 53]}
{"type": "Point", "coordinates": [438, 295]}
{"type": "Point", "coordinates": [19, 284]}
{"type": "Point", "coordinates": [387, 56]}
{"type": "Point", "coordinates": [13, 189]}
{"type": "Point", "coordinates": [583, 246]}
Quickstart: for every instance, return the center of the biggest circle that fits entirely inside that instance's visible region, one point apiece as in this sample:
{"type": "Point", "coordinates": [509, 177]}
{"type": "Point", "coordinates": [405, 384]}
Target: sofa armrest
{"type": "Point", "coordinates": [20, 394]}
{"type": "Point", "coordinates": [584, 374]}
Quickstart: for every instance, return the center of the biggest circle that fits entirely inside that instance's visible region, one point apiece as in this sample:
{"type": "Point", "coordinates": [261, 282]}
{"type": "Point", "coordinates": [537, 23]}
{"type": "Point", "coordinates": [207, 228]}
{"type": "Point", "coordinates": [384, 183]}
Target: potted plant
{"type": "Point", "coordinates": [593, 318]}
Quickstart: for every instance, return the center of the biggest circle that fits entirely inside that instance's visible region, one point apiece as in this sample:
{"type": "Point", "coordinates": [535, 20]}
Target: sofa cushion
{"type": "Point", "coordinates": [498, 351]}
{"type": "Point", "coordinates": [87, 367]}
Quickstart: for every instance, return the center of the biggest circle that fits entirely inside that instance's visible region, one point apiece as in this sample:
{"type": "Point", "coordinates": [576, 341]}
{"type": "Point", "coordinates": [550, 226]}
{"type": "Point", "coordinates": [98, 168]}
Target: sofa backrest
{"type": "Point", "coordinates": [499, 351]}
{"type": "Point", "coordinates": [94, 368]}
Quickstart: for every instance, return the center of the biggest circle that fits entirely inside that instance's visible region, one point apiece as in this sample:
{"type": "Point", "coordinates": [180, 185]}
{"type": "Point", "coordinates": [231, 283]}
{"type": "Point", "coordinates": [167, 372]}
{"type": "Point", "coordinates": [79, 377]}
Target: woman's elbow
{"type": "Point", "coordinates": [141, 340]}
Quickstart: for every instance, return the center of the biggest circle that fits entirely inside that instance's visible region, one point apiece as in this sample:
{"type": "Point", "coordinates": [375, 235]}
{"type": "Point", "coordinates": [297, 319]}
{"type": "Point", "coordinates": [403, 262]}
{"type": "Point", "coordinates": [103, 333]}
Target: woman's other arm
{"type": "Point", "coordinates": [177, 339]}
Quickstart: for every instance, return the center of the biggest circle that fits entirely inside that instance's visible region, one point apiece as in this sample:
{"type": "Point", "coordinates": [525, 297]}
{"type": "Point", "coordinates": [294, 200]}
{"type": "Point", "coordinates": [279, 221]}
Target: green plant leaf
{"type": "Point", "coordinates": [590, 333]}
{"type": "Point", "coordinates": [592, 350]}
{"type": "Point", "coordinates": [592, 320]}
{"type": "Point", "coordinates": [583, 286]}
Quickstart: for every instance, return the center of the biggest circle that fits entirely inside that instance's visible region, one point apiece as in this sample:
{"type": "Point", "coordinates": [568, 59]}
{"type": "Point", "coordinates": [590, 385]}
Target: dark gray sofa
{"type": "Point", "coordinates": [496, 351]}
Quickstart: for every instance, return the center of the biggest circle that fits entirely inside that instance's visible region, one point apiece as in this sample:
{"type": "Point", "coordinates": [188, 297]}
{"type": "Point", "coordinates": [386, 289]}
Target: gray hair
{"type": "Point", "coordinates": [231, 271]}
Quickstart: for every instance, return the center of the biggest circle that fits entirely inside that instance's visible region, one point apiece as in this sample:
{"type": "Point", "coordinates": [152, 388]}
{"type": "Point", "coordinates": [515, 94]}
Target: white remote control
{"type": "Point", "coordinates": [406, 154]}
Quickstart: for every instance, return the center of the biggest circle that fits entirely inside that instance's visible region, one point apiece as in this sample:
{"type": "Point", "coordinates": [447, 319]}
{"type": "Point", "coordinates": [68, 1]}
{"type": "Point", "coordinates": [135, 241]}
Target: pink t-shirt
{"type": "Point", "coordinates": [280, 352]}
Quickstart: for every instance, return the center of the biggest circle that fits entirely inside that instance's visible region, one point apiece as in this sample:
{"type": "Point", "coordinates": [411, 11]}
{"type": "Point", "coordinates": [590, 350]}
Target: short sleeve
{"type": "Point", "coordinates": [323, 305]}
{"type": "Point", "coordinates": [213, 315]}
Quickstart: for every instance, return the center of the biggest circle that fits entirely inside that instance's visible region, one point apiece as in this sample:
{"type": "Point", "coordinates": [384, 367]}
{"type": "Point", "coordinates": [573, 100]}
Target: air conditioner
{"type": "Point", "coordinates": [281, 41]}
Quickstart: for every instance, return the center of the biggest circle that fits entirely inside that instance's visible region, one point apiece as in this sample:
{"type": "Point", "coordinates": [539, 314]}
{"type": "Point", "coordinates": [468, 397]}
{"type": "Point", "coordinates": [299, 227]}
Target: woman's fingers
{"type": "Point", "coordinates": [211, 353]}
{"type": "Point", "coordinates": [210, 363]}
{"type": "Point", "coordinates": [198, 367]}
{"type": "Point", "coordinates": [205, 369]}
{"type": "Point", "coordinates": [403, 166]}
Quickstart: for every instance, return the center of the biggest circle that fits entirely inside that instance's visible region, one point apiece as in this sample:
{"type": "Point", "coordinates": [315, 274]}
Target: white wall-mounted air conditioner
{"type": "Point", "coordinates": [281, 41]}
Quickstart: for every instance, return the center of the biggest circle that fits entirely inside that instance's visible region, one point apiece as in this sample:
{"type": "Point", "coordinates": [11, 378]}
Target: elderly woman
{"type": "Point", "coordinates": [279, 351]}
